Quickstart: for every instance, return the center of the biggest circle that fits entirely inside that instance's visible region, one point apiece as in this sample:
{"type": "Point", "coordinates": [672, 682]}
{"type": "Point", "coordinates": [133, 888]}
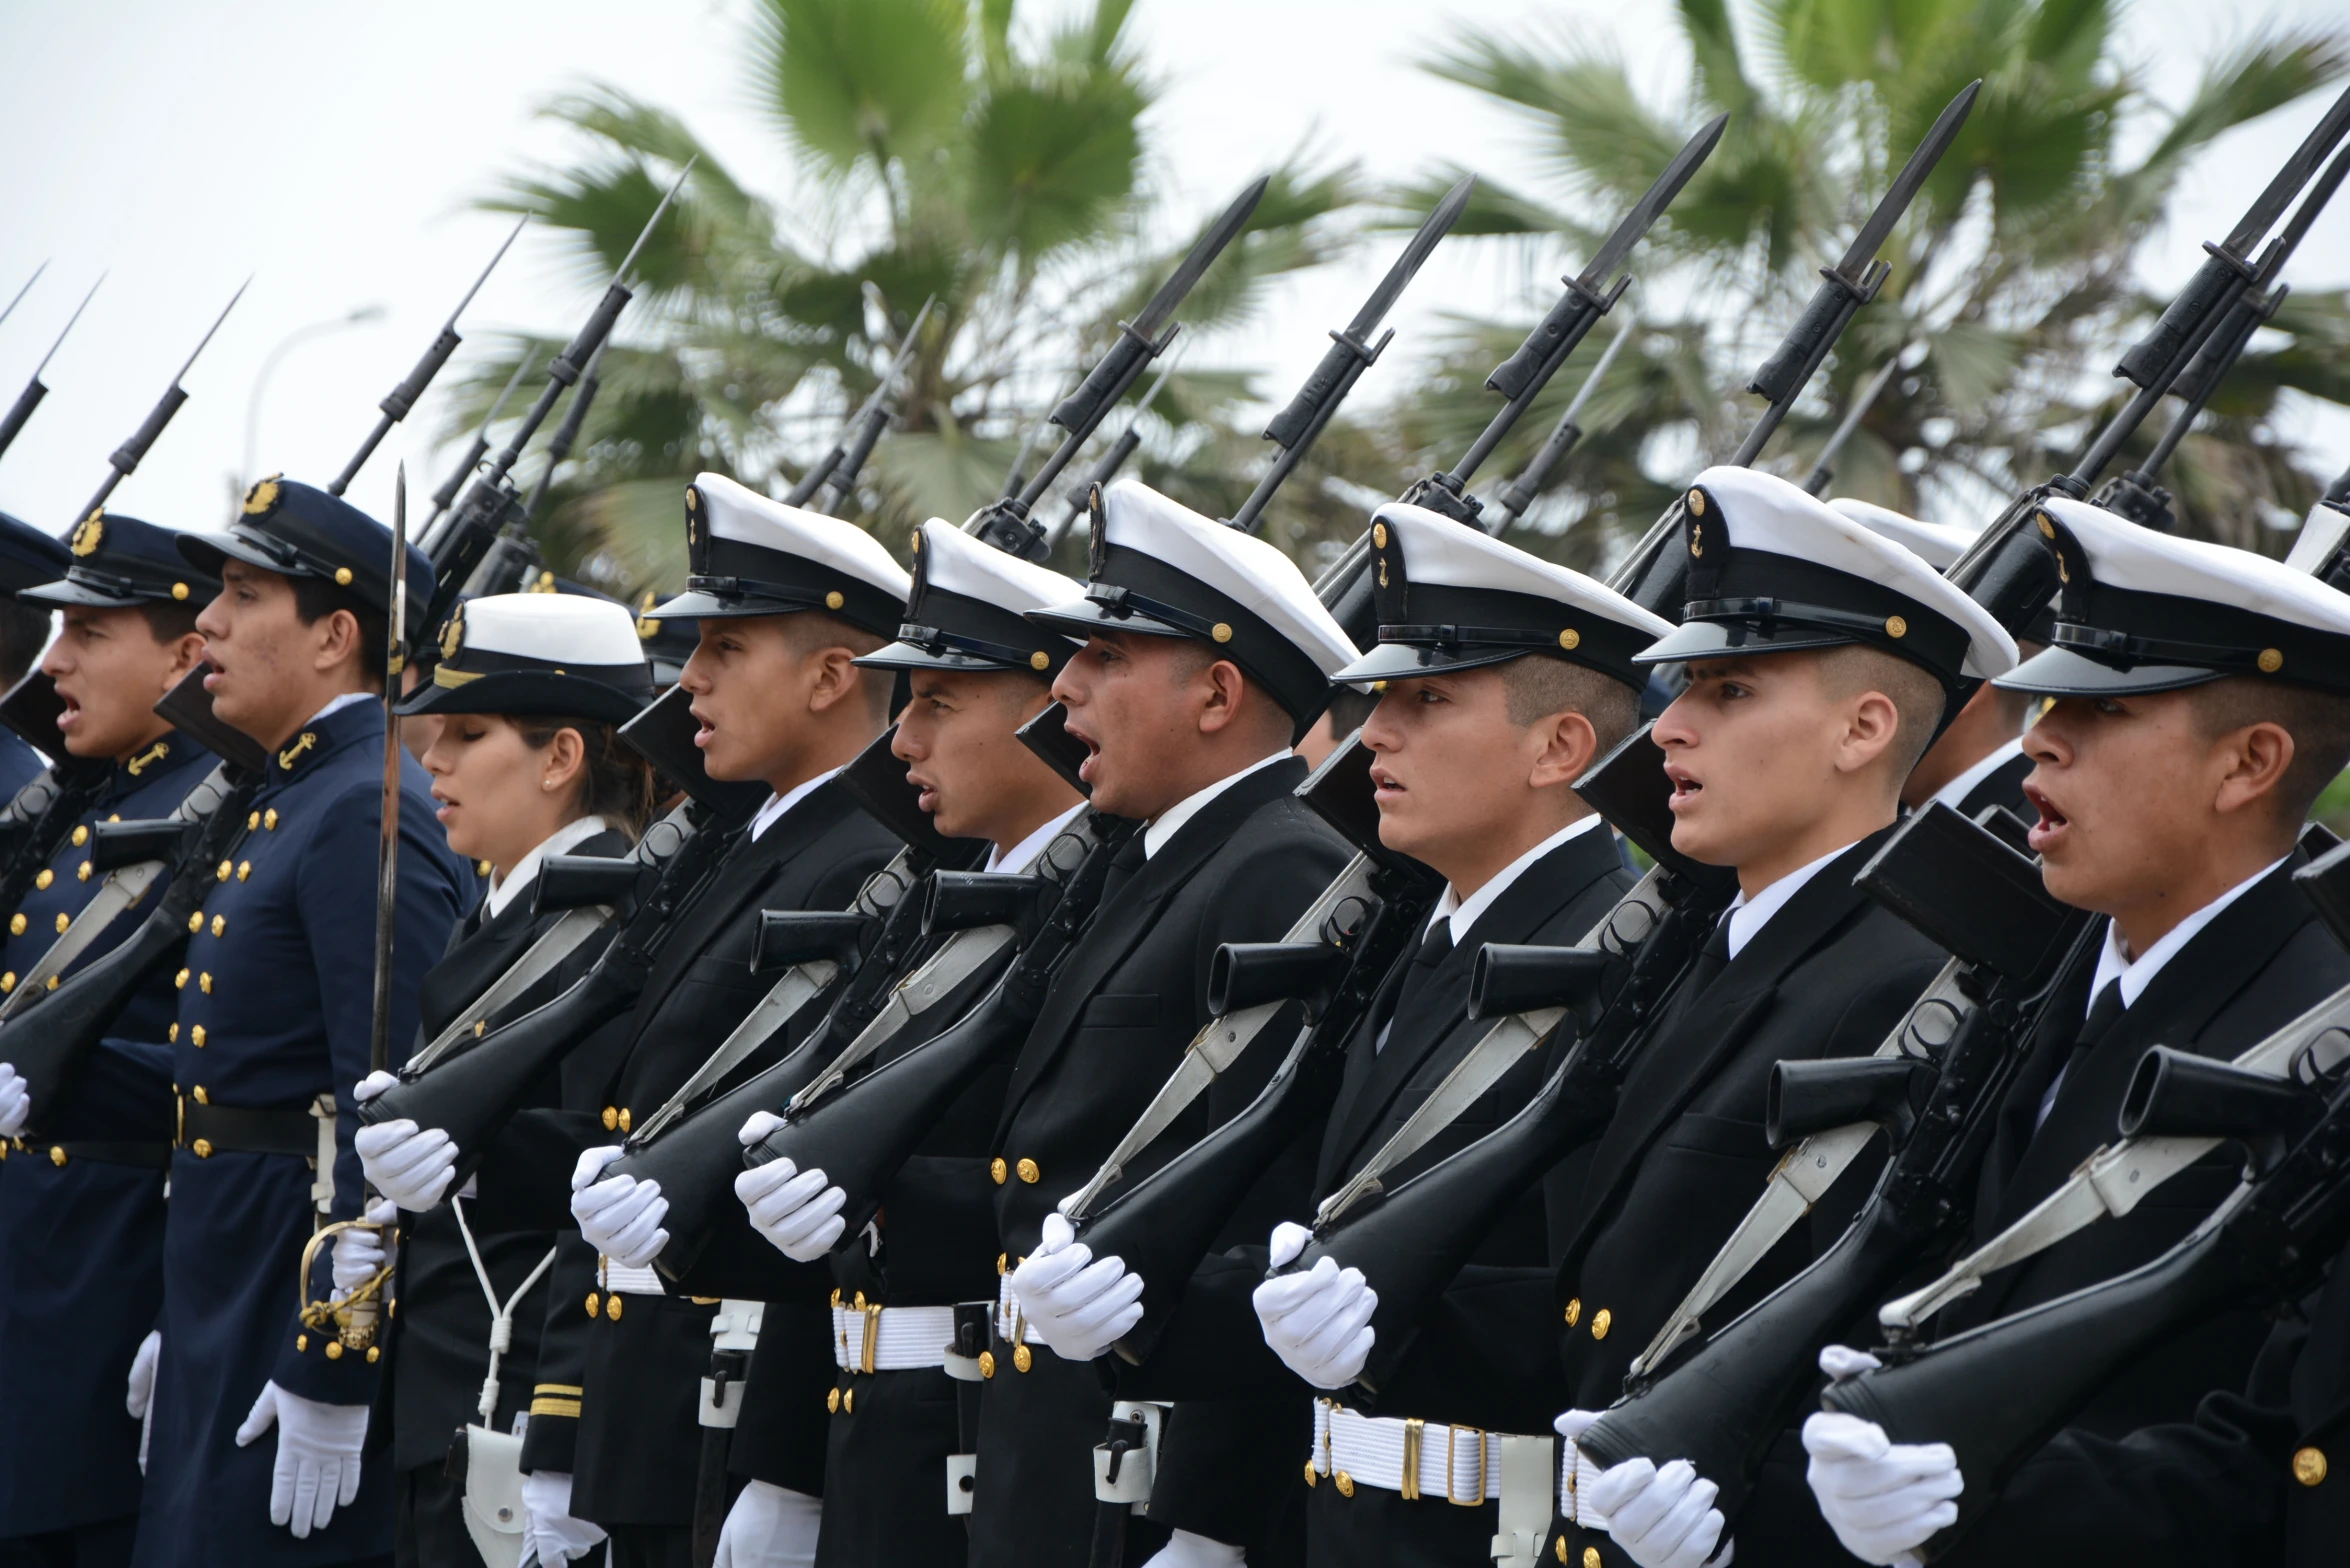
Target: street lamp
{"type": "Point", "coordinates": [286, 344]}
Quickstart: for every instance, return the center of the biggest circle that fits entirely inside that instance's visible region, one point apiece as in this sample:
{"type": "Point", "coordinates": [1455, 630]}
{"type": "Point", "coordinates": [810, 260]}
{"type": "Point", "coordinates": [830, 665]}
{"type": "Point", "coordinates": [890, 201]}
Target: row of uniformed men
{"type": "Point", "coordinates": [1818, 666]}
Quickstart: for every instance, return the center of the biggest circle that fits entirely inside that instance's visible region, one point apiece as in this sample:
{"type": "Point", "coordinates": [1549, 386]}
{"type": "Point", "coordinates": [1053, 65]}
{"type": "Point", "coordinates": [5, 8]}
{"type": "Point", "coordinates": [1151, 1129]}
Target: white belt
{"type": "Point", "coordinates": [875, 1338]}
{"type": "Point", "coordinates": [1577, 1475]}
{"type": "Point", "coordinates": [1010, 1327]}
{"type": "Point", "coordinates": [1418, 1459]}
{"type": "Point", "coordinates": [620, 1278]}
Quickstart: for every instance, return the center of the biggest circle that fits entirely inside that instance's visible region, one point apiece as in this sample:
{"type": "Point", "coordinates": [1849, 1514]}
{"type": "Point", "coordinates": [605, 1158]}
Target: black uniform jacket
{"type": "Point", "coordinates": [1125, 1003]}
{"type": "Point", "coordinates": [440, 1352]}
{"type": "Point", "coordinates": [1830, 974]}
{"type": "Point", "coordinates": [637, 1438]}
{"type": "Point", "coordinates": [2261, 962]}
{"type": "Point", "coordinates": [2259, 1479]}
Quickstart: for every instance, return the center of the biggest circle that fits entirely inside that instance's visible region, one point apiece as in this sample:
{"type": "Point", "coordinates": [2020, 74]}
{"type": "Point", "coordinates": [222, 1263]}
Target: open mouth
{"type": "Point", "coordinates": [703, 735]}
{"type": "Point", "coordinates": [2052, 822]}
{"type": "Point", "coordinates": [1385, 786]}
{"type": "Point", "coordinates": [1685, 787]}
{"type": "Point", "coordinates": [925, 793]}
{"type": "Point", "coordinates": [1093, 751]}
{"type": "Point", "coordinates": [69, 715]}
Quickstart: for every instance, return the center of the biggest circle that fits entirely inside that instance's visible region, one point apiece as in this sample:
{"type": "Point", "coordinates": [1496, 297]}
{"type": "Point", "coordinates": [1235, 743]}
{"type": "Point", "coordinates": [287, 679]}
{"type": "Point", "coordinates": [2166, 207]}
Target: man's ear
{"type": "Point", "coordinates": [2253, 761]}
{"type": "Point", "coordinates": [186, 653]}
{"type": "Point", "coordinates": [1871, 725]}
{"type": "Point", "coordinates": [338, 640]}
{"type": "Point", "coordinates": [1568, 745]}
{"type": "Point", "coordinates": [837, 678]}
{"type": "Point", "coordinates": [1225, 690]}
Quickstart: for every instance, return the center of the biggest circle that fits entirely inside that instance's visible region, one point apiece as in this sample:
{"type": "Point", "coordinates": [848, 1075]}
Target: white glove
{"type": "Point", "coordinates": [1186, 1550]}
{"type": "Point", "coordinates": [619, 1215]}
{"type": "Point", "coordinates": [318, 1445]}
{"type": "Point", "coordinates": [359, 1253]}
{"type": "Point", "coordinates": [1883, 1499]}
{"type": "Point", "coordinates": [798, 1213]}
{"type": "Point", "coordinates": [1077, 1306]}
{"type": "Point", "coordinates": [1662, 1518]}
{"type": "Point", "coordinates": [16, 1102]}
{"type": "Point", "coordinates": [407, 1164]}
{"type": "Point", "coordinates": [1317, 1322]}
{"type": "Point", "coordinates": [769, 1527]}
{"type": "Point", "coordinates": [139, 1397]}
{"type": "Point", "coordinates": [547, 1526]}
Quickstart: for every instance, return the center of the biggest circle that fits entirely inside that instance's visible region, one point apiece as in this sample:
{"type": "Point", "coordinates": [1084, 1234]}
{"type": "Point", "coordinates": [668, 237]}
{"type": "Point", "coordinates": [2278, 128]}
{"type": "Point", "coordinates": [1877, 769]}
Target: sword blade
{"type": "Point", "coordinates": [387, 861]}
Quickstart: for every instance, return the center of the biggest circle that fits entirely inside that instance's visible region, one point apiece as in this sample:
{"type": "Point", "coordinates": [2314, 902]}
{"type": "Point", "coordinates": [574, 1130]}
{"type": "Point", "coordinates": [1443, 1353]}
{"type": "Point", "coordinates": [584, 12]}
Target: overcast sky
{"type": "Point", "coordinates": [333, 152]}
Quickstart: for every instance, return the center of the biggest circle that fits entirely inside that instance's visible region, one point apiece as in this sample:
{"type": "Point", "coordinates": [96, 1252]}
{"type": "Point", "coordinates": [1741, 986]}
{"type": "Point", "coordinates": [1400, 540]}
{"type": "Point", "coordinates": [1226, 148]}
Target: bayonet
{"type": "Point", "coordinates": [21, 293]}
{"type": "Point", "coordinates": [1567, 432]}
{"type": "Point", "coordinates": [34, 390]}
{"type": "Point", "coordinates": [1823, 467]}
{"type": "Point", "coordinates": [566, 434]}
{"type": "Point", "coordinates": [125, 459]}
{"type": "Point", "coordinates": [387, 855]}
{"type": "Point", "coordinates": [1106, 467]}
{"type": "Point", "coordinates": [871, 415]}
{"type": "Point", "coordinates": [473, 454]}
{"type": "Point", "coordinates": [403, 397]}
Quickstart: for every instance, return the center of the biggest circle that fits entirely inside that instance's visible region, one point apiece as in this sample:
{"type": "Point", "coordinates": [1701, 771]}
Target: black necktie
{"type": "Point", "coordinates": [1712, 959]}
{"type": "Point", "coordinates": [2104, 1013]}
{"type": "Point", "coordinates": [1129, 859]}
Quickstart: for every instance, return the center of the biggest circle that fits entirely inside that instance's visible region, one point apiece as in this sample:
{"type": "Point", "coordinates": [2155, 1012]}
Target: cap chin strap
{"type": "Point", "coordinates": [932, 639]}
{"type": "Point", "coordinates": [1125, 602]}
{"type": "Point", "coordinates": [2122, 650]}
{"type": "Point", "coordinates": [1454, 636]}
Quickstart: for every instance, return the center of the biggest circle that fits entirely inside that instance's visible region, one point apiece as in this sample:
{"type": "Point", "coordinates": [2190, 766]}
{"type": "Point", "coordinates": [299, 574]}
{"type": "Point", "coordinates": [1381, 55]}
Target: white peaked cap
{"type": "Point", "coordinates": [751, 555]}
{"type": "Point", "coordinates": [969, 609]}
{"type": "Point", "coordinates": [1937, 544]}
{"type": "Point", "coordinates": [538, 653]}
{"type": "Point", "coordinates": [1772, 541]}
{"type": "Point", "coordinates": [956, 562]}
{"type": "Point", "coordinates": [555, 628]}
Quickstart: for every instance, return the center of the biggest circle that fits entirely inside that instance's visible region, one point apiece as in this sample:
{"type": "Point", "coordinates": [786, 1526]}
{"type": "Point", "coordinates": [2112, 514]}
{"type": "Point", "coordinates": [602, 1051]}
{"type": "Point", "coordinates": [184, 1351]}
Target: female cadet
{"type": "Point", "coordinates": [526, 764]}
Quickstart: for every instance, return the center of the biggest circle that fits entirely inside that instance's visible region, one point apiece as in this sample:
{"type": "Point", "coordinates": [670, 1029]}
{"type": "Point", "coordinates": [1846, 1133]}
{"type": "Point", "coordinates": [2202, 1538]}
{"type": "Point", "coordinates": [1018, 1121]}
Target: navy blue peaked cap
{"type": "Point", "coordinates": [28, 555]}
{"type": "Point", "coordinates": [115, 562]}
{"type": "Point", "coordinates": [298, 530]}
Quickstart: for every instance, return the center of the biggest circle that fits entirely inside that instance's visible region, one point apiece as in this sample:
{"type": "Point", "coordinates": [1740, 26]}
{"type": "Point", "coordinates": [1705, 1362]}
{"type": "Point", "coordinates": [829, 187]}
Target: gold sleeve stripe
{"type": "Point", "coordinates": [555, 1407]}
{"type": "Point", "coordinates": [573, 1389]}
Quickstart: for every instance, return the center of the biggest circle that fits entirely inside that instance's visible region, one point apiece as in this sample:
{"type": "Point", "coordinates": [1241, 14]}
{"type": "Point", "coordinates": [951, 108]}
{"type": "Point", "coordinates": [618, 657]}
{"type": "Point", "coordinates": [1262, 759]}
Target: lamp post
{"type": "Point", "coordinates": [285, 345]}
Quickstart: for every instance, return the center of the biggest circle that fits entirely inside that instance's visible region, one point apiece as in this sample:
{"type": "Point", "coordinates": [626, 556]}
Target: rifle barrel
{"type": "Point", "coordinates": [124, 461]}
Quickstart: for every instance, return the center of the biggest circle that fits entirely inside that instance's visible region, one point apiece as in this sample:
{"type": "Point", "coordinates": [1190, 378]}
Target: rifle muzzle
{"type": "Point", "coordinates": [798, 936]}
{"type": "Point", "coordinates": [1250, 974]}
{"type": "Point", "coordinates": [967, 900]}
{"type": "Point", "coordinates": [1804, 1098]}
{"type": "Point", "coordinates": [1508, 979]}
{"type": "Point", "coordinates": [2176, 1094]}
{"type": "Point", "coordinates": [577, 881]}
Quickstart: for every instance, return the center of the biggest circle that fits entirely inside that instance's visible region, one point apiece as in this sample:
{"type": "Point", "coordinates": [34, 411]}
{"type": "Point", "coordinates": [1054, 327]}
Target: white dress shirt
{"type": "Point", "coordinates": [1747, 916]}
{"type": "Point", "coordinates": [2136, 974]}
{"type": "Point", "coordinates": [1460, 915]}
{"type": "Point", "coordinates": [338, 704]}
{"type": "Point", "coordinates": [1021, 855]}
{"type": "Point", "coordinates": [504, 890]}
{"type": "Point", "coordinates": [777, 805]}
{"type": "Point", "coordinates": [1954, 793]}
{"type": "Point", "coordinates": [1170, 821]}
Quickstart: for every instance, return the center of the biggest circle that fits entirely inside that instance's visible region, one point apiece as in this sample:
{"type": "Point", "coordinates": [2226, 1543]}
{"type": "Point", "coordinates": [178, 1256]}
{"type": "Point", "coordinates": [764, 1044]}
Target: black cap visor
{"type": "Point", "coordinates": [1719, 639]}
{"type": "Point", "coordinates": [2060, 672]}
{"type": "Point", "coordinates": [525, 693]}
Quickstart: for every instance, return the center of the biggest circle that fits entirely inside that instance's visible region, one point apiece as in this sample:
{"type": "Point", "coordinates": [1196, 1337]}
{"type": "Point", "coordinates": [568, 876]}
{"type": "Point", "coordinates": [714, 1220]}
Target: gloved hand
{"type": "Point", "coordinates": [769, 1527]}
{"type": "Point", "coordinates": [1883, 1499]}
{"type": "Point", "coordinates": [547, 1526]}
{"type": "Point", "coordinates": [619, 1215]}
{"type": "Point", "coordinates": [16, 1102]}
{"type": "Point", "coordinates": [1662, 1518]}
{"type": "Point", "coordinates": [1077, 1306]}
{"type": "Point", "coordinates": [798, 1212]}
{"type": "Point", "coordinates": [1317, 1322]}
{"type": "Point", "coordinates": [1186, 1550]}
{"type": "Point", "coordinates": [407, 1164]}
{"type": "Point", "coordinates": [359, 1253]}
{"type": "Point", "coordinates": [318, 1445]}
{"type": "Point", "coordinates": [139, 1397]}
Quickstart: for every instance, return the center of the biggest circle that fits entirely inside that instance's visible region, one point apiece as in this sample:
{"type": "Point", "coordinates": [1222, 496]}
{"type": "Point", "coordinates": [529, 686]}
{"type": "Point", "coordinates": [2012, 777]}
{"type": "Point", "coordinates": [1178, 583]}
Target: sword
{"type": "Point", "coordinates": [387, 854]}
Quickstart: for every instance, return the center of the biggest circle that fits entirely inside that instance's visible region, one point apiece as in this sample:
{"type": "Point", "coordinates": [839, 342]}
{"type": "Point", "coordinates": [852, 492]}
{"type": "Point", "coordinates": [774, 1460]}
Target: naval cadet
{"type": "Point", "coordinates": [82, 1205]}
{"type": "Point", "coordinates": [1978, 760]}
{"type": "Point", "coordinates": [977, 671]}
{"type": "Point", "coordinates": [1499, 679]}
{"type": "Point", "coordinates": [526, 763]}
{"type": "Point", "coordinates": [29, 557]}
{"type": "Point", "coordinates": [2199, 702]}
{"type": "Point", "coordinates": [1207, 657]}
{"type": "Point", "coordinates": [1821, 657]}
{"type": "Point", "coordinates": [261, 1414]}
{"type": "Point", "coordinates": [786, 601]}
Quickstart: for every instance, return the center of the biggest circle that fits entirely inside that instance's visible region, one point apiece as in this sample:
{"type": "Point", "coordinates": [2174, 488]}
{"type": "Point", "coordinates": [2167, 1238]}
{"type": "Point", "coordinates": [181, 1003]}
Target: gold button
{"type": "Point", "coordinates": [624, 1118]}
{"type": "Point", "coordinates": [195, 922]}
{"type": "Point", "coordinates": [81, 835]}
{"type": "Point", "coordinates": [998, 1170]}
{"type": "Point", "coordinates": [2047, 527]}
{"type": "Point", "coordinates": [594, 1302]}
{"type": "Point", "coordinates": [201, 1097]}
{"type": "Point", "coordinates": [1346, 1483]}
{"type": "Point", "coordinates": [611, 1118]}
{"type": "Point", "coordinates": [244, 869]}
{"type": "Point", "coordinates": [204, 984]}
{"type": "Point", "coordinates": [197, 1034]}
{"type": "Point", "coordinates": [63, 920]}
{"type": "Point", "coordinates": [1590, 1554]}
{"type": "Point", "coordinates": [342, 577]}
{"type": "Point", "coordinates": [1895, 626]}
{"type": "Point", "coordinates": [1378, 536]}
{"type": "Point", "coordinates": [848, 1403]}
{"type": "Point", "coordinates": [53, 982]}
{"type": "Point", "coordinates": [1562, 1549]}
{"type": "Point", "coordinates": [1001, 1259]}
{"type": "Point", "coordinates": [179, 590]}
{"type": "Point", "coordinates": [222, 874]}
{"type": "Point", "coordinates": [44, 879]}
{"type": "Point", "coordinates": [1221, 632]}
{"type": "Point", "coordinates": [2309, 1465]}
{"type": "Point", "coordinates": [2271, 660]}
{"type": "Point", "coordinates": [481, 1026]}
{"type": "Point", "coordinates": [252, 821]}
{"type": "Point", "coordinates": [987, 1363]}
{"type": "Point", "coordinates": [1697, 502]}
{"type": "Point", "coordinates": [172, 1034]}
{"type": "Point", "coordinates": [57, 1157]}
{"type": "Point", "coordinates": [1313, 1476]}
{"type": "Point", "coordinates": [612, 1306]}
{"type": "Point", "coordinates": [180, 981]}
{"type": "Point", "coordinates": [334, 1350]}
{"type": "Point", "coordinates": [7, 982]}
{"type": "Point", "coordinates": [1600, 1323]}
{"type": "Point", "coordinates": [16, 925]}
{"type": "Point", "coordinates": [373, 1351]}
{"type": "Point", "coordinates": [82, 871]}
{"type": "Point", "coordinates": [301, 1342]}
{"type": "Point", "coordinates": [201, 1148]}
{"type": "Point", "coordinates": [832, 1400]}
{"type": "Point", "coordinates": [1028, 1171]}
{"type": "Point", "coordinates": [269, 819]}
{"type": "Point", "coordinates": [833, 600]}
{"type": "Point", "coordinates": [1040, 661]}
{"type": "Point", "coordinates": [1022, 1357]}
{"type": "Point", "coordinates": [220, 925]}
{"type": "Point", "coordinates": [1570, 638]}
{"type": "Point", "coordinates": [482, 868]}
{"type": "Point", "coordinates": [1574, 1311]}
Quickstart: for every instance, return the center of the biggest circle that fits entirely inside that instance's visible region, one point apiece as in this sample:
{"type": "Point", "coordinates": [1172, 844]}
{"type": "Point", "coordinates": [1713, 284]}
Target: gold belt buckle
{"type": "Point", "coordinates": [872, 1334]}
{"type": "Point", "coordinates": [1410, 1487]}
{"type": "Point", "coordinates": [1452, 1437]}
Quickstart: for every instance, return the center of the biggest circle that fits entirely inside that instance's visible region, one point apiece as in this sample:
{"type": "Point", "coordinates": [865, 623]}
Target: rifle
{"type": "Point", "coordinates": [2267, 1244]}
{"type": "Point", "coordinates": [124, 461]}
{"type": "Point", "coordinates": [1566, 433]}
{"type": "Point", "coordinates": [36, 821]}
{"type": "Point", "coordinates": [490, 508]}
{"type": "Point", "coordinates": [2322, 549]}
{"type": "Point", "coordinates": [862, 430]}
{"type": "Point", "coordinates": [1415, 1239]}
{"type": "Point", "coordinates": [566, 434]}
{"type": "Point", "coordinates": [1823, 467]}
{"type": "Point", "coordinates": [403, 397]}
{"type": "Point", "coordinates": [1006, 523]}
{"type": "Point", "coordinates": [1106, 466]}
{"type": "Point", "coordinates": [427, 538]}
{"type": "Point", "coordinates": [18, 298]}
{"type": "Point", "coordinates": [34, 389]}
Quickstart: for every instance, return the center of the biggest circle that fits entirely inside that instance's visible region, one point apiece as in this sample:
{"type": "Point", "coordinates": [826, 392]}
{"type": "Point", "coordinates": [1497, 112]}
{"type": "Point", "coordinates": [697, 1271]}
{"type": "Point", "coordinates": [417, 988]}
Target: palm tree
{"type": "Point", "coordinates": [2011, 285]}
{"type": "Point", "coordinates": [929, 149]}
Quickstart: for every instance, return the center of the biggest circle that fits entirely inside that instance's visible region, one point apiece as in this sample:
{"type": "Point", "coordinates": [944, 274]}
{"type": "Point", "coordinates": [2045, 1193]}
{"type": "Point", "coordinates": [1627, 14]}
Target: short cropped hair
{"type": "Point", "coordinates": [805, 631]}
{"type": "Point", "coordinates": [1918, 696]}
{"type": "Point", "coordinates": [2318, 721]}
{"type": "Point", "coordinates": [1535, 686]}
{"type": "Point", "coordinates": [315, 599]}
